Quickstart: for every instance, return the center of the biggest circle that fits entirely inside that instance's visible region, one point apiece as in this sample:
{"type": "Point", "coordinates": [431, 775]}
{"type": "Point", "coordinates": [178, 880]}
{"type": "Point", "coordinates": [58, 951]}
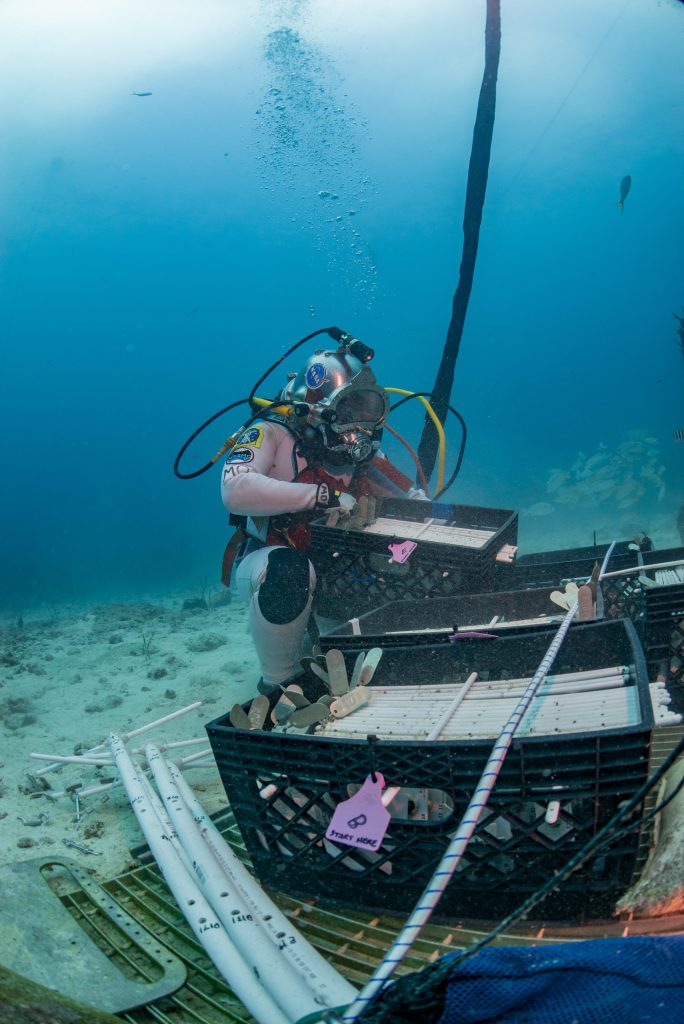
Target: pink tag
{"type": "Point", "coordinates": [362, 820]}
{"type": "Point", "coordinates": [402, 552]}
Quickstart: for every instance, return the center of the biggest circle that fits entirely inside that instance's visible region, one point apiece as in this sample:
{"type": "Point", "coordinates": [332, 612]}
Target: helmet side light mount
{"type": "Point", "coordinates": [349, 343]}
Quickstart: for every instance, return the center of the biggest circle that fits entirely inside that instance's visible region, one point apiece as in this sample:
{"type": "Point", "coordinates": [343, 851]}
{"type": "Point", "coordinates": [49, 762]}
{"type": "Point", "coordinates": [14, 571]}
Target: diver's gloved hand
{"type": "Point", "coordinates": [418, 493]}
{"type": "Point", "coordinates": [328, 499]}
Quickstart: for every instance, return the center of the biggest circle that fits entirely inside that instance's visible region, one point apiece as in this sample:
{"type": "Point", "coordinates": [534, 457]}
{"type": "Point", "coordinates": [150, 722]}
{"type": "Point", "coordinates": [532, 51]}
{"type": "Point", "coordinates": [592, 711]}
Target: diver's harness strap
{"type": "Point", "coordinates": [233, 548]}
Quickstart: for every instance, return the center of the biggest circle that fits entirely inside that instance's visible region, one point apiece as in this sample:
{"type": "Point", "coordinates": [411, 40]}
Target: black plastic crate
{"type": "Point", "coordinates": [551, 568]}
{"type": "Point", "coordinates": [626, 595]}
{"type": "Point", "coordinates": [656, 609]}
{"type": "Point", "coordinates": [403, 623]}
{"type": "Point", "coordinates": [664, 620]}
{"type": "Point", "coordinates": [355, 571]}
{"type": "Point", "coordinates": [283, 789]}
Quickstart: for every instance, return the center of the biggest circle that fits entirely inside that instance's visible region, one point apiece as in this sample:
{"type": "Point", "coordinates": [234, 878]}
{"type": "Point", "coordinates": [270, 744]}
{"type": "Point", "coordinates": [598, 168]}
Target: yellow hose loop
{"type": "Point", "coordinates": [438, 427]}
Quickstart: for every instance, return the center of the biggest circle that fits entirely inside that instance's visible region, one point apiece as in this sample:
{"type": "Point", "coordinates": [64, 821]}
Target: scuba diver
{"type": "Point", "coordinates": [317, 452]}
{"type": "Point", "coordinates": [314, 449]}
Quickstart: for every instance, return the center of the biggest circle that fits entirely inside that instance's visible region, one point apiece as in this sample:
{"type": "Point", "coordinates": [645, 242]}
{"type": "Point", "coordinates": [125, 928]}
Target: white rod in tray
{"type": "Point", "coordinates": [453, 707]}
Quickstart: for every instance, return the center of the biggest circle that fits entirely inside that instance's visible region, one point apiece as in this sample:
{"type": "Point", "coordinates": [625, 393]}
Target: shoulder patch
{"type": "Point", "coordinates": [238, 455]}
{"type": "Point", "coordinates": [252, 437]}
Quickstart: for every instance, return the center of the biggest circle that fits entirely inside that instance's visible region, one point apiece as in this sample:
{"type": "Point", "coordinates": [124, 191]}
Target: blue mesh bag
{"type": "Point", "coordinates": [605, 981]}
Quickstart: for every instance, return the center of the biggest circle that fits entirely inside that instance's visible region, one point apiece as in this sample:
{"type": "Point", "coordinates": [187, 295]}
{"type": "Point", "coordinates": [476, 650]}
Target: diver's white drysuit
{"type": "Point", "coordinates": [259, 481]}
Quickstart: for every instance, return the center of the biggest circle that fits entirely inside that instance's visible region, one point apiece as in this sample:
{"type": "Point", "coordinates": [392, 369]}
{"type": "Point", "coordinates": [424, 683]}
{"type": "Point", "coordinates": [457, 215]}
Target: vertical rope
{"type": "Point", "coordinates": [476, 187]}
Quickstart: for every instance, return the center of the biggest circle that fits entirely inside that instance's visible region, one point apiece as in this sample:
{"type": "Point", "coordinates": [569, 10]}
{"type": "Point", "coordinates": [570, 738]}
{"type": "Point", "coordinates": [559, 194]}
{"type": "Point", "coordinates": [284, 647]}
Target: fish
{"type": "Point", "coordinates": [679, 434]}
{"type": "Point", "coordinates": [141, 94]}
{"type": "Point", "coordinates": [625, 186]}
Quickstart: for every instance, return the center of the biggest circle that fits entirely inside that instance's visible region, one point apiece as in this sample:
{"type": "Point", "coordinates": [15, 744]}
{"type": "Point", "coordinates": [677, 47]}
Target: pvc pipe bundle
{"type": "Point", "coordinates": [567, 702]}
{"type": "Point", "coordinates": [325, 981]}
{"type": "Point", "coordinates": [274, 971]}
{"type": "Point", "coordinates": [497, 620]}
{"type": "Point", "coordinates": [432, 531]}
{"type": "Point", "coordinates": [639, 568]}
{"type": "Point", "coordinates": [666, 577]}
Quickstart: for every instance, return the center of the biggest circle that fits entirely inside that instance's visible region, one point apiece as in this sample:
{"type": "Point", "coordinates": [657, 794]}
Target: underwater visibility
{"type": "Point", "coordinates": [342, 548]}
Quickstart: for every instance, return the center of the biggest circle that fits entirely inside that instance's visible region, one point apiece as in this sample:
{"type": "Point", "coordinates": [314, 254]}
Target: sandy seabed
{"type": "Point", "coordinates": [70, 676]}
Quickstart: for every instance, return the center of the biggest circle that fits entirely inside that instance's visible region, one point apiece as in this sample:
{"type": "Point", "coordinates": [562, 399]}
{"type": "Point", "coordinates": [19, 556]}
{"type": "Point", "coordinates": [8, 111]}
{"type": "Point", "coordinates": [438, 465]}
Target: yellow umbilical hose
{"type": "Point", "coordinates": [438, 427]}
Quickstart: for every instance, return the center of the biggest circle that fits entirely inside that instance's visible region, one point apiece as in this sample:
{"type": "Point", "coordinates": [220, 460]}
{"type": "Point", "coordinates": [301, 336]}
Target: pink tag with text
{"type": "Point", "coordinates": [402, 552]}
{"type": "Point", "coordinates": [362, 820]}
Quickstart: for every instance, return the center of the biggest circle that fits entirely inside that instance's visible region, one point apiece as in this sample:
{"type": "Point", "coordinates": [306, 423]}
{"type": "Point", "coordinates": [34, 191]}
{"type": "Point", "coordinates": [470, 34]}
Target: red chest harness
{"type": "Point", "coordinates": [292, 528]}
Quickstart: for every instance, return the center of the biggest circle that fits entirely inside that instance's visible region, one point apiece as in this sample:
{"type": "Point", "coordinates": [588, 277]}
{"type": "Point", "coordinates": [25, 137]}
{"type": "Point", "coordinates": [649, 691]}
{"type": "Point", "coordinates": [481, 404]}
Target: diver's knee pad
{"type": "Point", "coordinates": [284, 594]}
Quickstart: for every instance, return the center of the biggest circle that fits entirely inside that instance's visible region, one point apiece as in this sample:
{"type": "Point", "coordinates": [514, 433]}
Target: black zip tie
{"type": "Point", "coordinates": [371, 739]}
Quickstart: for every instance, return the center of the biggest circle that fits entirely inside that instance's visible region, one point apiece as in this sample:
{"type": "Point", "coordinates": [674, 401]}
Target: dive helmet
{"type": "Point", "coordinates": [341, 404]}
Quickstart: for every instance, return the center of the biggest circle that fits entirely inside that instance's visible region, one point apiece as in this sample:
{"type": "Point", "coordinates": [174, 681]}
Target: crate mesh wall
{"type": "Point", "coordinates": [513, 851]}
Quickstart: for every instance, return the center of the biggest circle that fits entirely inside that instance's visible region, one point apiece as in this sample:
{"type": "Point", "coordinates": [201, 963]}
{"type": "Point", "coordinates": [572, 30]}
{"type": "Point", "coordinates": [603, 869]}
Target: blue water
{"type": "Point", "coordinates": [304, 163]}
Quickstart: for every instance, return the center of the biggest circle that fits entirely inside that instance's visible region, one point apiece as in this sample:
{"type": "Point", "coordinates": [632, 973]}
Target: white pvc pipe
{"type": "Point", "coordinates": [186, 761]}
{"type": "Point", "coordinates": [603, 683]}
{"type": "Point", "coordinates": [167, 825]}
{"type": "Point", "coordinates": [453, 707]}
{"type": "Point", "coordinates": [173, 745]}
{"type": "Point", "coordinates": [287, 987]}
{"type": "Point", "coordinates": [426, 526]}
{"type": "Point", "coordinates": [199, 915]}
{"type": "Point", "coordinates": [327, 983]}
{"type": "Point", "coordinates": [73, 759]}
{"type": "Point", "coordinates": [126, 736]}
{"type": "Point", "coordinates": [640, 569]}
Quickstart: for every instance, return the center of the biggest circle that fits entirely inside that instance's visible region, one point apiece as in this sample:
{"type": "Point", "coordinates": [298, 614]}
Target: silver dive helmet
{"type": "Point", "coordinates": [346, 408]}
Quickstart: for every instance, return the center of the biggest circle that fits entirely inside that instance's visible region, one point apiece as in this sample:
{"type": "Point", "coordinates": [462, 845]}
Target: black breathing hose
{"type": "Point", "coordinates": [335, 332]}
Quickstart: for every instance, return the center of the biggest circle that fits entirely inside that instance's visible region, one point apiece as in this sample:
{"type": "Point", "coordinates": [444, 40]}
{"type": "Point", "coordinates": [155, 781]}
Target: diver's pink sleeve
{"type": "Point", "coordinates": [257, 476]}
